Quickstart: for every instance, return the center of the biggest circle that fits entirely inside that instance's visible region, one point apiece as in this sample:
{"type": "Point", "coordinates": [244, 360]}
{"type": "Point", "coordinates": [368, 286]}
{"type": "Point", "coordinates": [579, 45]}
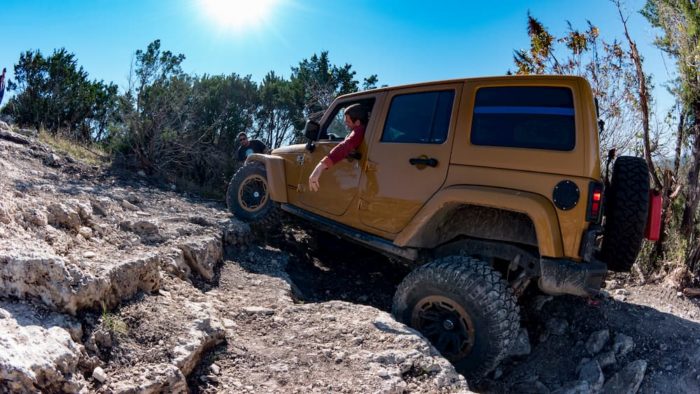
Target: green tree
{"type": "Point", "coordinates": [679, 21]}
{"type": "Point", "coordinates": [220, 107]}
{"type": "Point", "coordinates": [316, 82]}
{"type": "Point", "coordinates": [159, 90]}
{"type": "Point", "coordinates": [55, 93]}
{"type": "Point", "coordinates": [277, 111]}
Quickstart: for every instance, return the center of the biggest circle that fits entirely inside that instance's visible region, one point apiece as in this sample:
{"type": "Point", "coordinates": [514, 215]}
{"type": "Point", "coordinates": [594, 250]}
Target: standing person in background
{"type": "Point", "coordinates": [248, 147]}
{"type": "Point", "coordinates": [2, 84]}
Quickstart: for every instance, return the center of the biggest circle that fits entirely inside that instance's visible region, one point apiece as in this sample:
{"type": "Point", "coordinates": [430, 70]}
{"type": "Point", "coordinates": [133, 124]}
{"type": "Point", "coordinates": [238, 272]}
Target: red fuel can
{"type": "Point", "coordinates": [653, 229]}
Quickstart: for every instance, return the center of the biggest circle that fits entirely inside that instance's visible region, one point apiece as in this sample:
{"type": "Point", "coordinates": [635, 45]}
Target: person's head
{"type": "Point", "coordinates": [356, 115]}
{"type": "Point", "coordinates": [3, 70]}
{"type": "Point", "coordinates": [243, 138]}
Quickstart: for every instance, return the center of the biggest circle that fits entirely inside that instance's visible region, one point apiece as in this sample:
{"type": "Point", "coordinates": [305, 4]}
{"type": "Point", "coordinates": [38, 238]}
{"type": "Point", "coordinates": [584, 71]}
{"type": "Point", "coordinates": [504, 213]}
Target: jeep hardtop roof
{"type": "Point", "coordinates": [552, 77]}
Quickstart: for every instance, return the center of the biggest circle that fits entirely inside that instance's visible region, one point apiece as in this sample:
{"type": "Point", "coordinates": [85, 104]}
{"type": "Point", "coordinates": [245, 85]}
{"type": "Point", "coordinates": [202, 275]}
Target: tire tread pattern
{"type": "Point", "coordinates": [478, 282]}
{"type": "Point", "coordinates": [268, 217]}
{"type": "Point", "coordinates": [626, 213]}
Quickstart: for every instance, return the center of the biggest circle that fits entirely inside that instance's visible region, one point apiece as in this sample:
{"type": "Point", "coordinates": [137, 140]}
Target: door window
{"type": "Point", "coordinates": [420, 118]}
{"type": "Point", "coordinates": [334, 129]}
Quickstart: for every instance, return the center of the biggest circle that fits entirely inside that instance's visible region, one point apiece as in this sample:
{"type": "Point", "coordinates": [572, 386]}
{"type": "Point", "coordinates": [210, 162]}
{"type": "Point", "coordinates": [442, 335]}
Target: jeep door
{"type": "Point", "coordinates": [409, 155]}
{"type": "Point", "coordinates": [339, 185]}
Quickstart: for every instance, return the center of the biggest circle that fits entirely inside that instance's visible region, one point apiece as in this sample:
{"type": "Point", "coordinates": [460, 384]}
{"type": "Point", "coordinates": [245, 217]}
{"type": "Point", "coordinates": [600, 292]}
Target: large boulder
{"type": "Point", "coordinates": [68, 287]}
{"type": "Point", "coordinates": [36, 352]}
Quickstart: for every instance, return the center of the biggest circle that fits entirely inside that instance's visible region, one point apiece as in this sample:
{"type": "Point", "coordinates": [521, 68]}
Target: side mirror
{"type": "Point", "coordinates": [311, 130]}
{"type": "Point", "coordinates": [310, 146]}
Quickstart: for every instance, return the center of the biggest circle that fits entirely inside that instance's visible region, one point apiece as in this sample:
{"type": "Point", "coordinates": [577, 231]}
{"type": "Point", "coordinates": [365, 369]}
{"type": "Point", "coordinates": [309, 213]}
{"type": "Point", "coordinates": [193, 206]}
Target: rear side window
{"type": "Point", "coordinates": [524, 117]}
{"type": "Point", "coordinates": [421, 118]}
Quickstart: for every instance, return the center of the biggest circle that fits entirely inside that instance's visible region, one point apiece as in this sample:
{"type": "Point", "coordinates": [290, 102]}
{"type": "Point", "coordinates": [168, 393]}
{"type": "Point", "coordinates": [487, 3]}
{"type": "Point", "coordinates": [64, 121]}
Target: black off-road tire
{"type": "Point", "coordinates": [464, 308]}
{"type": "Point", "coordinates": [626, 208]}
{"type": "Point", "coordinates": [248, 197]}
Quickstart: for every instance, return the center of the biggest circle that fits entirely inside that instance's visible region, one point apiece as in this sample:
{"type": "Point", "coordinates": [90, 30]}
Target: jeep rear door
{"type": "Point", "coordinates": [409, 155]}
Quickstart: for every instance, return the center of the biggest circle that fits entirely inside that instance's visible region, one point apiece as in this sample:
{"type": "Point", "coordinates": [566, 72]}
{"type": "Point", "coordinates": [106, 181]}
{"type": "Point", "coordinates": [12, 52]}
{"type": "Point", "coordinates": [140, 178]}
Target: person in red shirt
{"type": "Point", "coordinates": [356, 117]}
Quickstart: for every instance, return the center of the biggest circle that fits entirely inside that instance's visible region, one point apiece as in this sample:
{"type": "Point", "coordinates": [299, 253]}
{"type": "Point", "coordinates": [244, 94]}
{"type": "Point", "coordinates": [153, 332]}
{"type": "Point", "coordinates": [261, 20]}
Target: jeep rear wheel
{"type": "Point", "coordinates": [626, 206]}
{"type": "Point", "coordinates": [248, 196]}
{"type": "Point", "coordinates": [464, 308]}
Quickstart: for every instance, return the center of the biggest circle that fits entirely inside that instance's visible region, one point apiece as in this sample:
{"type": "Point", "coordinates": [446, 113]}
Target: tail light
{"type": "Point", "coordinates": [653, 229]}
{"type": "Point", "coordinates": [595, 202]}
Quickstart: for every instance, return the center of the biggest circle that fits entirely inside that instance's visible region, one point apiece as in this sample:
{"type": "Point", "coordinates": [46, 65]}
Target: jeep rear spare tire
{"type": "Point", "coordinates": [626, 206]}
{"type": "Point", "coordinates": [464, 308]}
{"type": "Point", "coordinates": [248, 195]}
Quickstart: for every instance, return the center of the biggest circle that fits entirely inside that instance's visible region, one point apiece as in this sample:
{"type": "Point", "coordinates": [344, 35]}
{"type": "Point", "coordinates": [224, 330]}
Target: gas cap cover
{"type": "Point", "coordinates": [566, 195]}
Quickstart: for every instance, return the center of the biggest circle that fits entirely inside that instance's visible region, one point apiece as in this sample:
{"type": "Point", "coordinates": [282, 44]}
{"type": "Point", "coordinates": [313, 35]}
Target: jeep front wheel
{"type": "Point", "coordinates": [248, 195]}
{"type": "Point", "coordinates": [464, 307]}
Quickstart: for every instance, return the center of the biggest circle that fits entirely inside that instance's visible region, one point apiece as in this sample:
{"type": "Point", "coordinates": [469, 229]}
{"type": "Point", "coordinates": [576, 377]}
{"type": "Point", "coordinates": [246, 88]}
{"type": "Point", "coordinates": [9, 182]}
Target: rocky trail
{"type": "Point", "coordinates": [110, 283]}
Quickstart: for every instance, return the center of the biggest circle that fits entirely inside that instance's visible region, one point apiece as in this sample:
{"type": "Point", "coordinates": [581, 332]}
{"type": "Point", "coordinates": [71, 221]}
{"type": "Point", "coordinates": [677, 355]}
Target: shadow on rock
{"type": "Point", "coordinates": [324, 268]}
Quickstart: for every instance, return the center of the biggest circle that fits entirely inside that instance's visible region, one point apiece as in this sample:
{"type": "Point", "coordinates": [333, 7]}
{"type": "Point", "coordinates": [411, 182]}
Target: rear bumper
{"type": "Point", "coordinates": [559, 276]}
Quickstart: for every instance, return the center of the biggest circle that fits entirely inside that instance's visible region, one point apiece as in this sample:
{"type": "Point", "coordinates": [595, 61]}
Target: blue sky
{"type": "Point", "coordinates": [401, 41]}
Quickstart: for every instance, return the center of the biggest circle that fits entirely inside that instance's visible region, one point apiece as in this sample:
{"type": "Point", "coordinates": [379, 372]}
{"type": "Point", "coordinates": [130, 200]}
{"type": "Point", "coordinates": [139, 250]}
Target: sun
{"type": "Point", "coordinates": [237, 15]}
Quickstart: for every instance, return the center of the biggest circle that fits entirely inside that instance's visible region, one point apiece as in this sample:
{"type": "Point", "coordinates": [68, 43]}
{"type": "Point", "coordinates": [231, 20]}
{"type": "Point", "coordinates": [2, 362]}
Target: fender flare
{"type": "Point", "coordinates": [274, 165]}
{"type": "Point", "coordinates": [421, 232]}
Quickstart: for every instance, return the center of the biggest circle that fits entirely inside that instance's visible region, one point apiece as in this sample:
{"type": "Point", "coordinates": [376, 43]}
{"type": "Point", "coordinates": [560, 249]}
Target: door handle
{"type": "Point", "coordinates": [423, 161]}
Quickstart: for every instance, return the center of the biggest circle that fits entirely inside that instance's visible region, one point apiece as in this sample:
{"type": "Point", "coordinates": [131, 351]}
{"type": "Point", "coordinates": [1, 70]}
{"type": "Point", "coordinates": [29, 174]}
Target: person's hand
{"type": "Point", "coordinates": [315, 176]}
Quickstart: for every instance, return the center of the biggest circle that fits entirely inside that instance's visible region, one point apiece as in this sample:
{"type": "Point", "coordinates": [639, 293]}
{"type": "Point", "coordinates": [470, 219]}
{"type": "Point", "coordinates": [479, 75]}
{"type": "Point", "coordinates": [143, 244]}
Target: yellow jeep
{"type": "Point", "coordinates": [484, 185]}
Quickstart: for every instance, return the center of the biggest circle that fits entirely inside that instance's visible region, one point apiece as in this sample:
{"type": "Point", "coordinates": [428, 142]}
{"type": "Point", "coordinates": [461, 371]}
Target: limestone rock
{"type": "Point", "coordinates": [623, 345]}
{"type": "Point", "coordinates": [575, 387]}
{"type": "Point", "coordinates": [521, 347]}
{"type": "Point", "coordinates": [101, 206]}
{"type": "Point", "coordinates": [36, 217]}
{"type": "Point", "coordinates": [236, 233]}
{"type": "Point", "coordinates": [204, 334]}
{"type": "Point", "coordinates": [129, 206]}
{"type": "Point", "coordinates": [134, 198]}
{"type": "Point", "coordinates": [628, 380]}
{"type": "Point", "coordinates": [590, 372]}
{"type": "Point", "coordinates": [140, 227]}
{"type": "Point", "coordinates": [7, 134]}
{"type": "Point", "coordinates": [173, 262]}
{"type": "Point", "coordinates": [99, 375]}
{"type": "Point", "coordinates": [53, 160]}
{"type": "Point", "coordinates": [62, 215]}
{"type": "Point", "coordinates": [606, 359]}
{"type": "Point", "coordinates": [85, 232]}
{"type": "Point", "coordinates": [149, 379]}
{"type": "Point", "coordinates": [202, 254]}
{"type": "Point", "coordinates": [596, 341]}
{"type": "Point", "coordinates": [258, 310]}
{"type": "Point", "coordinates": [84, 210]}
{"type": "Point", "coordinates": [65, 287]}
{"type": "Point", "coordinates": [36, 355]}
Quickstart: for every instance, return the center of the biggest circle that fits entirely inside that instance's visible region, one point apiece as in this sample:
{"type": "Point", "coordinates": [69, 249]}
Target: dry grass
{"type": "Point", "coordinates": [90, 154]}
{"type": "Point", "coordinates": [113, 323]}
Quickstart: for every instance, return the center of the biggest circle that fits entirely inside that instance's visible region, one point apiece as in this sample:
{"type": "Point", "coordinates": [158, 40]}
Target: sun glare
{"type": "Point", "coordinates": [237, 15]}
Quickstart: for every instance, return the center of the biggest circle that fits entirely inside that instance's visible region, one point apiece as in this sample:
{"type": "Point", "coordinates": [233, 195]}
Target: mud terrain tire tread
{"type": "Point", "coordinates": [482, 293]}
{"type": "Point", "coordinates": [627, 203]}
{"type": "Point", "coordinates": [267, 217]}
